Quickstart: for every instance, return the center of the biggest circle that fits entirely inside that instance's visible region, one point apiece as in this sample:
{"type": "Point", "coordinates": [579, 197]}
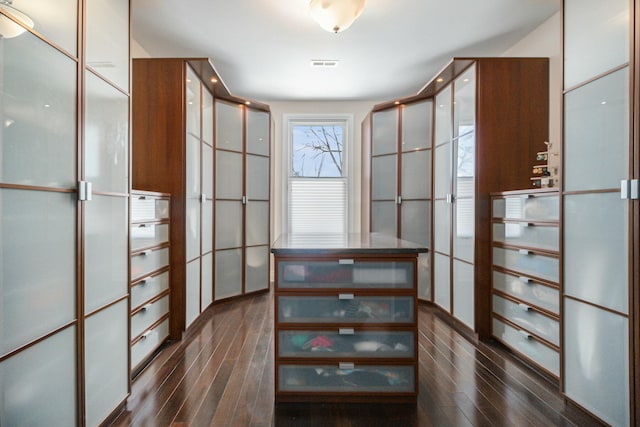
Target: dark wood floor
{"type": "Point", "coordinates": [221, 374]}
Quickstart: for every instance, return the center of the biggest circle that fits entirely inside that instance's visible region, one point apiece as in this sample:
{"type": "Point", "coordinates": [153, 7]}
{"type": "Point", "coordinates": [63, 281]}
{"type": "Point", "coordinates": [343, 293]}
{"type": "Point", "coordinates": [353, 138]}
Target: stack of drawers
{"type": "Point", "coordinates": [345, 328]}
{"type": "Point", "coordinates": [526, 275]}
{"type": "Point", "coordinates": [149, 286]}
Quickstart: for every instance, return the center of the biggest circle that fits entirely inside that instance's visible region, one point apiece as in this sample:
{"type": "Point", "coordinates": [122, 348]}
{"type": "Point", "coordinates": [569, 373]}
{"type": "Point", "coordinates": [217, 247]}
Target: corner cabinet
{"type": "Point", "coordinates": [345, 318]}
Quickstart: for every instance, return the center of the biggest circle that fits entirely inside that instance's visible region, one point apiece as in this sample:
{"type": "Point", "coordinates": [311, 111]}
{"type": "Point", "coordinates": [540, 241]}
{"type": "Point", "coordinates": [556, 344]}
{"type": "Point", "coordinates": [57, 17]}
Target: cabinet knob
{"type": "Point", "coordinates": [146, 280]}
{"type": "Point", "coordinates": [524, 307]}
{"type": "Point", "coordinates": [525, 334]}
{"type": "Point", "coordinates": [524, 279]}
{"type": "Point", "coordinates": [524, 252]}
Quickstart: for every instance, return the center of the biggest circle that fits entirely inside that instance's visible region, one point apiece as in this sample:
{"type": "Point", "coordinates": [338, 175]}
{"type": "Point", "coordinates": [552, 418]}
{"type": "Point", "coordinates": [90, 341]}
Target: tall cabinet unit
{"type": "Point", "coordinates": [64, 189]}
{"type": "Point", "coordinates": [600, 223]}
{"type": "Point", "coordinates": [401, 178]}
{"type": "Point", "coordinates": [242, 200]}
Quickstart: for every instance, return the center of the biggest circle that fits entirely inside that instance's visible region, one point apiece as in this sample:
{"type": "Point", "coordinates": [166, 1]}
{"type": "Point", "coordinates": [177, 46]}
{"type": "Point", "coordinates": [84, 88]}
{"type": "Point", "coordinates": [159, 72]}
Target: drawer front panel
{"type": "Point", "coordinates": [524, 289]}
{"type": "Point", "coordinates": [149, 288]}
{"type": "Point", "coordinates": [345, 308]}
{"type": "Point", "coordinates": [536, 265]}
{"type": "Point", "coordinates": [520, 314]}
{"type": "Point", "coordinates": [148, 235]}
{"type": "Point", "coordinates": [534, 350]}
{"type": "Point", "coordinates": [148, 208]}
{"type": "Point", "coordinates": [144, 263]}
{"type": "Point", "coordinates": [143, 319]}
{"type": "Point", "coordinates": [152, 338]}
{"type": "Point", "coordinates": [351, 379]}
{"type": "Point", "coordinates": [525, 234]}
{"type": "Point", "coordinates": [346, 343]}
{"type": "Point", "coordinates": [540, 208]}
{"type": "Point", "coordinates": [345, 273]}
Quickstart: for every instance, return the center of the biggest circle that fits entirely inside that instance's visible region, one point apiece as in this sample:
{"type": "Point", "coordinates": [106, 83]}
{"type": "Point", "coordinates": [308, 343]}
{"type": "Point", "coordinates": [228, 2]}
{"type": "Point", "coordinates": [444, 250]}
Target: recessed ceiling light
{"type": "Point", "coordinates": [439, 79]}
{"type": "Point", "coordinates": [214, 80]}
{"type": "Point", "coordinates": [397, 102]}
{"type": "Point", "coordinates": [247, 102]}
{"type": "Point", "coordinates": [465, 80]}
{"type": "Point", "coordinates": [324, 63]}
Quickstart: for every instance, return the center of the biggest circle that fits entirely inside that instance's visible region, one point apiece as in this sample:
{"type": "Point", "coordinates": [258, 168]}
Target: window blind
{"type": "Point", "coordinates": [318, 205]}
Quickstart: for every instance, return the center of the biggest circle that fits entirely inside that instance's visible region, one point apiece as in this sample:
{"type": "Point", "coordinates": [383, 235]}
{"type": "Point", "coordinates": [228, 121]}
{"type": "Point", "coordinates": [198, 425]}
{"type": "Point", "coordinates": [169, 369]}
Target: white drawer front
{"type": "Point", "coordinates": [543, 208]}
{"type": "Point", "coordinates": [152, 338]}
{"type": "Point", "coordinates": [148, 235]}
{"type": "Point", "coordinates": [522, 315]}
{"type": "Point", "coordinates": [526, 234]}
{"type": "Point", "coordinates": [534, 350]}
{"type": "Point", "coordinates": [148, 288]}
{"type": "Point", "coordinates": [524, 289]}
{"type": "Point", "coordinates": [536, 265]}
{"type": "Point", "coordinates": [144, 263]}
{"type": "Point", "coordinates": [150, 314]}
{"type": "Point", "coordinates": [148, 208]}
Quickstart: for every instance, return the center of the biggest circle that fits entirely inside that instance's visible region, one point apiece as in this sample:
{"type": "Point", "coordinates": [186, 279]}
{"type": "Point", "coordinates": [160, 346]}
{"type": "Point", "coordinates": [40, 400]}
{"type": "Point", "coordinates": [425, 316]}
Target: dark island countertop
{"type": "Point", "coordinates": [343, 244]}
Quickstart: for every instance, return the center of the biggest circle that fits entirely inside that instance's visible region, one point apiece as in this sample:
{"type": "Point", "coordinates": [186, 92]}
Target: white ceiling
{"type": "Point", "coordinates": [263, 48]}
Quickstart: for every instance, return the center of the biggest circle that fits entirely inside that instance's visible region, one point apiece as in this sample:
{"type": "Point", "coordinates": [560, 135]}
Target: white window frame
{"type": "Point", "coordinates": [289, 120]}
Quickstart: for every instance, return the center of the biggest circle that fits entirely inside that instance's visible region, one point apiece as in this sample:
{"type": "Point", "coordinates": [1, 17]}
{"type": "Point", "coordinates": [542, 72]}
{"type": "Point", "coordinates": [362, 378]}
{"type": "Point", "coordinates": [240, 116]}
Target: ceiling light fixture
{"type": "Point", "coordinates": [336, 15]}
{"type": "Point", "coordinates": [8, 28]}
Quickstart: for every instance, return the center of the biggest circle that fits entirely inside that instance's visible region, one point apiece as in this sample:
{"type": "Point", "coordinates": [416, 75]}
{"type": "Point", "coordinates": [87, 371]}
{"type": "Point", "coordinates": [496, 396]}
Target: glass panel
{"type": "Point", "coordinates": [443, 116]}
{"type": "Point", "coordinates": [464, 229]}
{"type": "Point", "coordinates": [597, 133]}
{"type": "Point", "coordinates": [257, 223]}
{"type": "Point", "coordinates": [257, 268]}
{"type": "Point", "coordinates": [148, 235]}
{"type": "Point", "coordinates": [258, 132]}
{"type": "Point", "coordinates": [38, 385]}
{"type": "Point", "coordinates": [207, 226]}
{"type": "Point", "coordinates": [442, 227]}
{"type": "Point", "coordinates": [207, 281]}
{"type": "Point", "coordinates": [106, 349]}
{"type": "Point", "coordinates": [193, 167]}
{"type": "Point", "coordinates": [228, 225]}
{"type": "Point", "coordinates": [416, 125]}
{"type": "Point", "coordinates": [596, 38]}
{"type": "Point", "coordinates": [107, 45]}
{"type": "Point", "coordinates": [146, 208]}
{"type": "Point", "coordinates": [317, 150]}
{"type": "Point", "coordinates": [463, 293]}
{"type": "Point", "coordinates": [150, 314]}
{"type": "Point", "coordinates": [442, 171]}
{"type": "Point", "coordinates": [207, 171]}
{"type": "Point", "coordinates": [383, 218]}
{"type": "Point", "coordinates": [529, 235]}
{"type": "Point", "coordinates": [416, 175]}
{"type": "Point", "coordinates": [149, 288]}
{"type": "Point", "coordinates": [228, 175]}
{"type": "Point", "coordinates": [596, 241]}
{"type": "Point", "coordinates": [193, 103]}
{"type": "Point", "coordinates": [153, 339]}
{"type": "Point", "coordinates": [545, 208]}
{"type": "Point", "coordinates": [146, 262]}
{"type": "Point", "coordinates": [596, 369]}
{"type": "Point", "coordinates": [385, 132]}
{"type": "Point", "coordinates": [37, 114]}
{"type": "Point", "coordinates": [527, 263]}
{"type": "Point", "coordinates": [424, 277]}
{"type": "Point", "coordinates": [36, 229]}
{"type": "Point", "coordinates": [56, 21]}
{"type": "Point", "coordinates": [228, 271]}
{"type": "Point", "coordinates": [106, 136]}
{"type": "Point", "coordinates": [193, 228]}
{"type": "Point", "coordinates": [416, 222]}
{"type": "Point", "coordinates": [228, 126]}
{"type": "Point", "coordinates": [524, 316]}
{"type": "Point", "coordinates": [527, 290]}
{"type": "Point", "coordinates": [465, 165]}
{"type": "Point", "coordinates": [384, 178]}
{"type": "Point", "coordinates": [464, 106]}
{"type": "Point", "coordinates": [207, 116]}
{"type": "Point", "coordinates": [193, 291]}
{"type": "Point", "coordinates": [106, 253]}
{"type": "Point", "coordinates": [442, 280]}
{"type": "Point", "coordinates": [257, 177]}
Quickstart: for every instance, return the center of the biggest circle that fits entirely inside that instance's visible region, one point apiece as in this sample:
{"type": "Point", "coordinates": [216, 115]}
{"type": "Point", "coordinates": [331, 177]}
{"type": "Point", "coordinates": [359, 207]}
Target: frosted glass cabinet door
{"type": "Point", "coordinates": [416, 175]}
{"type": "Point", "coordinates": [384, 181]}
{"type": "Point", "coordinates": [257, 223]}
{"type": "Point", "coordinates": [36, 229]}
{"type": "Point", "coordinates": [228, 175]}
{"type": "Point", "coordinates": [442, 171]}
{"type": "Point", "coordinates": [228, 224]}
{"type": "Point", "coordinates": [442, 281]}
{"type": "Point", "coordinates": [443, 116]}
{"type": "Point", "coordinates": [463, 292]}
{"type": "Point", "coordinates": [39, 384]}
{"type": "Point", "coordinates": [384, 132]}
{"type": "Point", "coordinates": [597, 133]}
{"type": "Point", "coordinates": [442, 227]}
{"type": "Point", "coordinates": [596, 38]}
{"type": "Point", "coordinates": [464, 229]}
{"type": "Point", "coordinates": [193, 103]}
{"type": "Point", "coordinates": [228, 126]}
{"type": "Point", "coordinates": [37, 139]}
{"type": "Point", "coordinates": [257, 177]}
{"type": "Point", "coordinates": [207, 116]}
{"type": "Point", "coordinates": [193, 228]}
{"type": "Point", "coordinates": [464, 106]}
{"type": "Point", "coordinates": [228, 271]}
{"type": "Point", "coordinates": [193, 167]}
{"type": "Point", "coordinates": [416, 125]}
{"type": "Point", "coordinates": [257, 268]}
{"type": "Point", "coordinates": [258, 132]}
{"type": "Point", "coordinates": [384, 217]}
{"type": "Point", "coordinates": [206, 291]}
{"type": "Point", "coordinates": [107, 43]}
{"type": "Point", "coordinates": [207, 171]}
{"type": "Point", "coordinates": [106, 136]}
{"type": "Point", "coordinates": [193, 291]}
{"type": "Point", "coordinates": [416, 222]}
{"type": "Point", "coordinates": [424, 277]}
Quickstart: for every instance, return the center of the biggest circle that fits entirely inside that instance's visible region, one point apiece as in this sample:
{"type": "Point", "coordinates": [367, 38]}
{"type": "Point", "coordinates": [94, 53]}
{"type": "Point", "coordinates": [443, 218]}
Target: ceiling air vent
{"type": "Point", "coordinates": [324, 63]}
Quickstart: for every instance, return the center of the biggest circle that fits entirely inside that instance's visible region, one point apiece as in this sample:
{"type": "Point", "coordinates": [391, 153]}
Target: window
{"type": "Point", "coordinates": [317, 184]}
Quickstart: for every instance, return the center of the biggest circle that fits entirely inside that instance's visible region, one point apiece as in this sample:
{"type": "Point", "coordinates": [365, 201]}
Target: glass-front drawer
{"type": "Point", "coordinates": [148, 208]}
{"type": "Point", "coordinates": [346, 343]}
{"type": "Point", "coordinates": [527, 234]}
{"type": "Point", "coordinates": [524, 316]}
{"type": "Point", "coordinates": [146, 262]}
{"type": "Point", "coordinates": [525, 289]}
{"type": "Point", "coordinates": [148, 235]}
{"type": "Point", "coordinates": [527, 263]}
{"type": "Point", "coordinates": [521, 342]}
{"type": "Point", "coordinates": [148, 288]}
{"type": "Point", "coordinates": [345, 273]}
{"type": "Point", "coordinates": [541, 208]}
{"type": "Point", "coordinates": [346, 378]}
{"type": "Point", "coordinates": [148, 315]}
{"type": "Point", "coordinates": [345, 308]}
{"type": "Point", "coordinates": [148, 342]}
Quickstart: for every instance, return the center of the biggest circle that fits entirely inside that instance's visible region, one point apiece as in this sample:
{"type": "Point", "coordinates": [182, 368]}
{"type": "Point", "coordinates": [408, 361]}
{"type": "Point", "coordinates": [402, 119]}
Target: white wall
{"type": "Point", "coordinates": [546, 41]}
{"type": "Point", "coordinates": [137, 51]}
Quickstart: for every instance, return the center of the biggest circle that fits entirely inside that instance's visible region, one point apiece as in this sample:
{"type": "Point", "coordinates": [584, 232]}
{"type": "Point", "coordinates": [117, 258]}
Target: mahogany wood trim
{"type": "Point", "coordinates": [534, 251]}
{"type": "Point", "coordinates": [138, 252]}
{"type": "Point", "coordinates": [155, 273]}
{"type": "Point", "coordinates": [135, 340]}
{"type": "Point", "coordinates": [534, 335]}
{"type": "Point", "coordinates": [599, 307]}
{"type": "Point", "coordinates": [152, 300]}
{"type": "Point", "coordinates": [585, 410]}
{"type": "Point", "coordinates": [36, 188]}
{"type": "Point", "coordinates": [536, 192]}
{"type": "Point", "coordinates": [534, 307]}
{"type": "Point", "coordinates": [38, 340]}
{"type": "Point", "coordinates": [108, 305]}
{"type": "Point", "coordinates": [634, 222]}
{"type": "Point", "coordinates": [538, 281]}
{"type": "Point", "coordinates": [399, 137]}
{"type": "Point", "coordinates": [597, 77]}
{"type": "Point", "coordinates": [599, 191]}
{"type": "Point", "coordinates": [135, 193]}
